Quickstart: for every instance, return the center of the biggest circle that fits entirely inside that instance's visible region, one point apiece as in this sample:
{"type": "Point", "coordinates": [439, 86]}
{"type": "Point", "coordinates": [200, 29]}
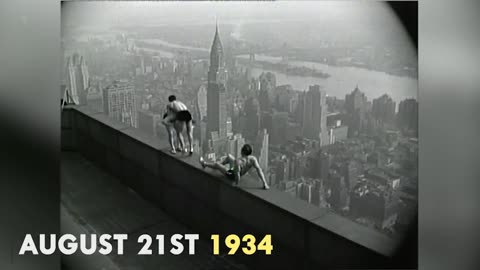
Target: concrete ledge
{"type": "Point", "coordinates": [140, 153]}
{"type": "Point", "coordinates": [304, 236]}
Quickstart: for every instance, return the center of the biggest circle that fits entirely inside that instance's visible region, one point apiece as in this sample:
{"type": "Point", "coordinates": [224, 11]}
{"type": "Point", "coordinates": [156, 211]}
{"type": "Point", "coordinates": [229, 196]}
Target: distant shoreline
{"type": "Point", "coordinates": [287, 69]}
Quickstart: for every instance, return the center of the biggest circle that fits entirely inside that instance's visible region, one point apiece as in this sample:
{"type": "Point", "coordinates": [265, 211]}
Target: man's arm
{"type": "Point", "coordinates": [236, 171]}
{"type": "Point", "coordinates": [257, 167]}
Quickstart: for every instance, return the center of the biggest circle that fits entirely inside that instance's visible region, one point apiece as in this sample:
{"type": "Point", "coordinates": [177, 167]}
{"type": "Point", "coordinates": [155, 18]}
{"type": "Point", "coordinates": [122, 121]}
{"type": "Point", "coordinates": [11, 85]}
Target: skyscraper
{"type": "Point", "coordinates": [408, 114]}
{"type": "Point", "coordinates": [216, 96]}
{"type": "Point", "coordinates": [268, 82]}
{"type": "Point", "coordinates": [283, 96]}
{"type": "Point", "coordinates": [77, 79]}
{"type": "Point", "coordinates": [229, 127]}
{"type": "Point", "coordinates": [264, 100]}
{"type": "Point", "coordinates": [383, 109]}
{"type": "Point", "coordinates": [279, 128]}
{"type": "Point", "coordinates": [119, 102]}
{"type": "Point", "coordinates": [252, 114]}
{"type": "Point", "coordinates": [351, 171]}
{"type": "Point", "coordinates": [305, 191]}
{"type": "Point", "coordinates": [318, 194]}
{"type": "Point", "coordinates": [320, 164]}
{"type": "Point", "coordinates": [262, 147]}
{"type": "Point", "coordinates": [356, 105]}
{"type": "Point", "coordinates": [374, 202]}
{"type": "Point", "coordinates": [355, 101]}
{"type": "Point", "coordinates": [202, 102]}
{"type": "Point", "coordinates": [282, 170]}
{"type": "Point", "coordinates": [315, 115]}
{"type": "Point", "coordinates": [337, 190]}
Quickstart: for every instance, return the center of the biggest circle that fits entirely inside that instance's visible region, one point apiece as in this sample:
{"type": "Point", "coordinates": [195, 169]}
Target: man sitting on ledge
{"type": "Point", "coordinates": [240, 166]}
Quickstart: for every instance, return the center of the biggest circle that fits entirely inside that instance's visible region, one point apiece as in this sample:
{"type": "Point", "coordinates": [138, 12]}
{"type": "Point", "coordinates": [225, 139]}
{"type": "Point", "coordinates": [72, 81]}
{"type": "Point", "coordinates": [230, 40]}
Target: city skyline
{"type": "Point", "coordinates": [353, 151]}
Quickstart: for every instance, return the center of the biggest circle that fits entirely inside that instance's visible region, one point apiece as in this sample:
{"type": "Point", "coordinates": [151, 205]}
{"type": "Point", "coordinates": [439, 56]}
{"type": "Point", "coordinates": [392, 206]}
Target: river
{"type": "Point", "coordinates": [342, 79]}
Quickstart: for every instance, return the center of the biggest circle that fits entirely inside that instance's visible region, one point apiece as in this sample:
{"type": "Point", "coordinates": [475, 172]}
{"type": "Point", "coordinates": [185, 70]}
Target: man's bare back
{"type": "Point", "coordinates": [246, 163]}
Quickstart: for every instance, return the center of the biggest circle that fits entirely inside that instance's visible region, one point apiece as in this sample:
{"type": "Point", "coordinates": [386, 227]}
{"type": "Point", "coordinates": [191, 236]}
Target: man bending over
{"type": "Point", "coordinates": [177, 115]}
{"type": "Point", "coordinates": [238, 167]}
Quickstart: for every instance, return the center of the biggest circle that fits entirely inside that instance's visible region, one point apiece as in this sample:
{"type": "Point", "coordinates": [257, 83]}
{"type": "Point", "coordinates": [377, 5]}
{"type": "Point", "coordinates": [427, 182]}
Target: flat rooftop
{"type": "Point", "coordinates": [95, 202]}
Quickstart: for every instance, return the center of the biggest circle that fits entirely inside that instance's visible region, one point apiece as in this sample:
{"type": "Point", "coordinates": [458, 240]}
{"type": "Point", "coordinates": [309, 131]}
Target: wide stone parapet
{"type": "Point", "coordinates": [304, 236]}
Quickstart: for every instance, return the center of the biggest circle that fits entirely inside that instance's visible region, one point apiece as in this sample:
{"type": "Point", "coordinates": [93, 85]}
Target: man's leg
{"type": "Point", "coordinates": [179, 130]}
{"type": "Point", "coordinates": [171, 137]}
{"type": "Point", "coordinates": [265, 185]}
{"type": "Point", "coordinates": [189, 125]}
{"type": "Point", "coordinates": [167, 122]}
{"type": "Point", "coordinates": [230, 160]}
{"type": "Point", "coordinates": [214, 165]}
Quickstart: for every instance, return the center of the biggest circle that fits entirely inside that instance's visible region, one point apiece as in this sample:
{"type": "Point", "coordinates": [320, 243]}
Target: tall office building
{"type": "Point", "coordinates": [408, 114]}
{"type": "Point", "coordinates": [202, 102]}
{"type": "Point", "coordinates": [264, 101]}
{"type": "Point", "coordinates": [119, 102]}
{"type": "Point", "coordinates": [337, 191]}
{"type": "Point", "coordinates": [139, 64]}
{"type": "Point", "coordinates": [252, 115]}
{"type": "Point", "coordinates": [355, 101]}
{"type": "Point", "coordinates": [320, 165]}
{"type": "Point", "coordinates": [268, 83]}
{"type": "Point", "coordinates": [279, 128]}
{"type": "Point", "coordinates": [383, 109]}
{"type": "Point", "coordinates": [299, 110]}
{"type": "Point", "coordinates": [216, 96]}
{"type": "Point", "coordinates": [351, 171]}
{"type": "Point", "coordinates": [315, 115]}
{"type": "Point", "coordinates": [376, 203]}
{"type": "Point", "coordinates": [282, 170]}
{"type": "Point", "coordinates": [229, 127]}
{"type": "Point", "coordinates": [305, 191]}
{"type": "Point", "coordinates": [356, 105]}
{"type": "Point", "coordinates": [77, 79]}
{"type": "Point", "coordinates": [318, 194]}
{"type": "Point", "coordinates": [284, 94]}
{"type": "Point", "coordinates": [261, 147]}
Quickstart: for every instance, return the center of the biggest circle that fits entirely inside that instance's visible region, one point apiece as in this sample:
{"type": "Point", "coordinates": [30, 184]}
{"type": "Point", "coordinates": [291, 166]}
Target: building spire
{"type": "Point", "coordinates": [217, 44]}
{"type": "Point", "coordinates": [217, 35]}
{"type": "Point", "coordinates": [356, 88]}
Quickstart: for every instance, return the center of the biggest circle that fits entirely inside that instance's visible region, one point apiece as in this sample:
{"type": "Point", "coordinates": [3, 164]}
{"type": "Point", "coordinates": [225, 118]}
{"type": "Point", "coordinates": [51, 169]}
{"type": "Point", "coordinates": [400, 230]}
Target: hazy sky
{"type": "Point", "coordinates": [369, 20]}
{"type": "Point", "coordinates": [180, 12]}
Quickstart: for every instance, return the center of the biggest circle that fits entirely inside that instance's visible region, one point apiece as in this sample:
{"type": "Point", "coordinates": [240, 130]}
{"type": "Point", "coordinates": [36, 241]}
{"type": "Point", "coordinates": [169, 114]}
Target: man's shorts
{"type": "Point", "coordinates": [183, 116]}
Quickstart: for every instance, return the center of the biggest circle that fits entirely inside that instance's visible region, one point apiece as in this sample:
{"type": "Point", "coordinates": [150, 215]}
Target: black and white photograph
{"type": "Point", "coordinates": [295, 119]}
{"type": "Point", "coordinates": [245, 135]}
